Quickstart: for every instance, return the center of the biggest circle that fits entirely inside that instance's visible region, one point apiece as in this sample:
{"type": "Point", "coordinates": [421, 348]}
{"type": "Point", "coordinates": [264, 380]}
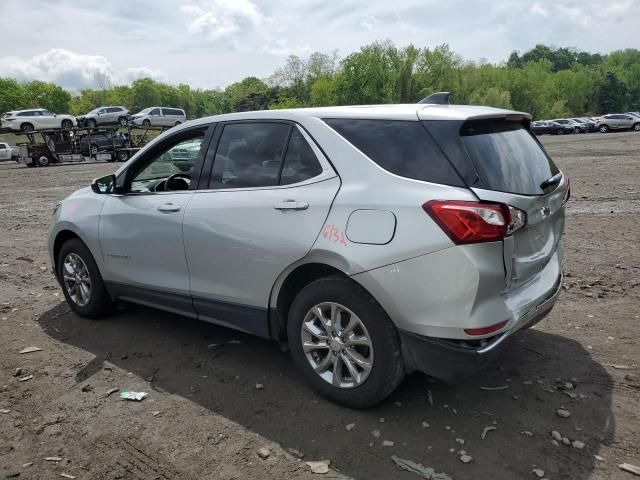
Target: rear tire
{"type": "Point", "coordinates": [146, 123]}
{"type": "Point", "coordinates": [66, 124]}
{"type": "Point", "coordinates": [636, 127]}
{"type": "Point", "coordinates": [94, 150]}
{"type": "Point", "coordinates": [91, 123]}
{"type": "Point", "coordinates": [43, 161]}
{"type": "Point", "coordinates": [123, 155]}
{"type": "Point", "coordinates": [122, 121]}
{"type": "Point", "coordinates": [177, 123]}
{"type": "Point", "coordinates": [603, 128]}
{"type": "Point", "coordinates": [382, 354]}
{"type": "Point", "coordinates": [26, 128]}
{"type": "Point", "coordinates": [86, 276]}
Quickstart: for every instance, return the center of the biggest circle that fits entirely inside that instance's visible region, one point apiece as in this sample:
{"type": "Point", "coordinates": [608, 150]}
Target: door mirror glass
{"type": "Point", "coordinates": [104, 184]}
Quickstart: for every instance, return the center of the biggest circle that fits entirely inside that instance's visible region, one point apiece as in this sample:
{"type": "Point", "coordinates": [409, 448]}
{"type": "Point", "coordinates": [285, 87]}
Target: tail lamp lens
{"type": "Point", "coordinates": [474, 222]}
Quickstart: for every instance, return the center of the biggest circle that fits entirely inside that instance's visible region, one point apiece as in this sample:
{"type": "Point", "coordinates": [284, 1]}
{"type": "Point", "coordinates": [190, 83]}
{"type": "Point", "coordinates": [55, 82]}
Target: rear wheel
{"type": "Point", "coordinates": [94, 149]}
{"type": "Point", "coordinates": [577, 130]}
{"type": "Point", "coordinates": [177, 123]}
{"type": "Point", "coordinates": [122, 121]}
{"type": "Point", "coordinates": [603, 128]}
{"type": "Point", "coordinates": [91, 123]}
{"type": "Point", "coordinates": [122, 155]}
{"type": "Point", "coordinates": [66, 124]}
{"type": "Point", "coordinates": [636, 127]}
{"type": "Point", "coordinates": [43, 161]}
{"type": "Point", "coordinates": [26, 128]}
{"type": "Point", "coordinates": [344, 343]}
{"type": "Point", "coordinates": [81, 281]}
{"type": "Point", "coordinates": [146, 123]}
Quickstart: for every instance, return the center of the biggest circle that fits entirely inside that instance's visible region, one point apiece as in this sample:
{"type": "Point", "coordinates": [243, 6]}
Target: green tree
{"type": "Point", "coordinates": [613, 95]}
{"type": "Point", "coordinates": [323, 92]}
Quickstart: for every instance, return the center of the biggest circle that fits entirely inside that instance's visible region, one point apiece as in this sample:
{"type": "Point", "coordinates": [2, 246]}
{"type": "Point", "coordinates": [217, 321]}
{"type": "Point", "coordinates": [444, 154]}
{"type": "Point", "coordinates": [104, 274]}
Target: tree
{"type": "Point", "coordinates": [12, 96]}
{"type": "Point", "coordinates": [323, 92]}
{"type": "Point", "coordinates": [613, 95]}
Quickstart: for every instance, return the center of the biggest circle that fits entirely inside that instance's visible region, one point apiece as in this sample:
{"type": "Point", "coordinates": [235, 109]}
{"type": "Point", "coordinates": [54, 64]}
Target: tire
{"type": "Point", "coordinates": [43, 161]}
{"type": "Point", "coordinates": [122, 121]}
{"type": "Point", "coordinates": [603, 128]}
{"type": "Point", "coordinates": [67, 124]}
{"type": "Point", "coordinates": [636, 127]}
{"type": "Point", "coordinates": [177, 123]}
{"type": "Point", "coordinates": [387, 369]}
{"type": "Point", "coordinates": [560, 132]}
{"type": "Point", "coordinates": [26, 128]}
{"type": "Point", "coordinates": [91, 123]}
{"type": "Point", "coordinates": [97, 302]}
{"type": "Point", "coordinates": [577, 130]}
{"type": "Point", "coordinates": [94, 150]}
{"type": "Point", "coordinates": [122, 155]}
{"type": "Point", "coordinates": [146, 123]}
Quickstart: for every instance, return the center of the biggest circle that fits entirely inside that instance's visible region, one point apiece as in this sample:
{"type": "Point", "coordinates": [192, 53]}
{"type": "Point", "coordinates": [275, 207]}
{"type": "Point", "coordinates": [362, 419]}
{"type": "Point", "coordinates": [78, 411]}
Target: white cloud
{"type": "Point", "coordinates": [135, 73]}
{"type": "Point", "coordinates": [221, 18]}
{"type": "Point", "coordinates": [538, 9]}
{"type": "Point", "coordinates": [71, 70]}
{"type": "Point", "coordinates": [370, 23]}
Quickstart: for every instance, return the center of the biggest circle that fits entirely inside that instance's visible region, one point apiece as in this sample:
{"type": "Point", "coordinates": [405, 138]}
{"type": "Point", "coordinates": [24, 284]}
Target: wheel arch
{"type": "Point", "coordinates": [61, 237]}
{"type": "Point", "coordinates": [295, 278]}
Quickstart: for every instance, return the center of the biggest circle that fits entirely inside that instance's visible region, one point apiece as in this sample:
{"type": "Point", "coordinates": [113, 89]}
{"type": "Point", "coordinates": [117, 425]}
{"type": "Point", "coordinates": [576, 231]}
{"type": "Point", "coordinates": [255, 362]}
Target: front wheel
{"type": "Point", "coordinates": [603, 128]}
{"type": "Point", "coordinates": [91, 123]}
{"type": "Point", "coordinates": [26, 128]}
{"type": "Point", "coordinates": [94, 149]}
{"type": "Point", "coordinates": [43, 161]}
{"type": "Point", "coordinates": [67, 124]}
{"type": "Point", "coordinates": [344, 343]}
{"type": "Point", "coordinates": [81, 281]}
{"type": "Point", "coordinates": [636, 127]}
{"type": "Point", "coordinates": [122, 121]}
{"type": "Point", "coordinates": [146, 123]}
{"type": "Point", "coordinates": [123, 155]}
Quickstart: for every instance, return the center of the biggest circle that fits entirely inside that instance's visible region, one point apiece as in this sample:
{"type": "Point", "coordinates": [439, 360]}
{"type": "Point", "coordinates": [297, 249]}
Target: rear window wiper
{"type": "Point", "coordinates": [550, 182]}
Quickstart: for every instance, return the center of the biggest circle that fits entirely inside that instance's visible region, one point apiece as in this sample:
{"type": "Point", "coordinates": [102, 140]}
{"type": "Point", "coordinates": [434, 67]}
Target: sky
{"type": "Point", "coordinates": [212, 43]}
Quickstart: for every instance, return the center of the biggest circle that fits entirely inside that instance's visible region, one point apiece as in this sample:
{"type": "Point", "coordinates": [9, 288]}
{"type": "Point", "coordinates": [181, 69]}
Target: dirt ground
{"type": "Point", "coordinates": [204, 418]}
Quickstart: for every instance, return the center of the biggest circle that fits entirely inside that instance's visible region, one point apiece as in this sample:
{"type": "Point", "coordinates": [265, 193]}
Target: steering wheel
{"type": "Point", "coordinates": [177, 181]}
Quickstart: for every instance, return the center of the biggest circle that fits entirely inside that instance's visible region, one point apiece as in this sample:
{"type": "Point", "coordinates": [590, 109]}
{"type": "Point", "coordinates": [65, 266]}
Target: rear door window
{"type": "Point", "coordinates": [249, 155]}
{"type": "Point", "coordinates": [506, 156]}
{"type": "Point", "coordinates": [400, 147]}
{"type": "Point", "coordinates": [300, 162]}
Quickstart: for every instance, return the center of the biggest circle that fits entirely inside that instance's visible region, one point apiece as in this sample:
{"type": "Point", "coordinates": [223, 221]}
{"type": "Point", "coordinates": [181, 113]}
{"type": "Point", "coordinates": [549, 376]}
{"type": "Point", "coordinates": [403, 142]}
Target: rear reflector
{"type": "Point", "coordinates": [485, 330]}
{"type": "Point", "coordinates": [470, 222]}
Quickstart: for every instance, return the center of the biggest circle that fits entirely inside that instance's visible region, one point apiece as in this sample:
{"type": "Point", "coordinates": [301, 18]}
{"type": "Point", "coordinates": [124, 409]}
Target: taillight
{"type": "Point", "coordinates": [567, 193]}
{"type": "Point", "coordinates": [474, 222]}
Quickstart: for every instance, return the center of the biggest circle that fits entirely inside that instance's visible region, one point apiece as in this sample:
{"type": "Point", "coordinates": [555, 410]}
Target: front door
{"type": "Point", "coordinates": [267, 202]}
{"type": "Point", "coordinates": [141, 230]}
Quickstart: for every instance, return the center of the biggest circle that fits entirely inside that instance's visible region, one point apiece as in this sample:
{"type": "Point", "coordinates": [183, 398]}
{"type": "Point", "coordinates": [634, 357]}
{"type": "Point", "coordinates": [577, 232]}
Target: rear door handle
{"type": "Point", "coordinates": [169, 208]}
{"type": "Point", "coordinates": [291, 205]}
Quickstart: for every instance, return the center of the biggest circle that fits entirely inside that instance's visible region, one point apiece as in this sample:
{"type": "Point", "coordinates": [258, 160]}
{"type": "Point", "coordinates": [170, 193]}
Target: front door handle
{"type": "Point", "coordinates": [291, 205]}
{"type": "Point", "coordinates": [169, 208]}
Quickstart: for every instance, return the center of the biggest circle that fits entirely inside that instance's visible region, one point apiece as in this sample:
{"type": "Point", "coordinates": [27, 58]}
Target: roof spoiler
{"type": "Point", "coordinates": [440, 98]}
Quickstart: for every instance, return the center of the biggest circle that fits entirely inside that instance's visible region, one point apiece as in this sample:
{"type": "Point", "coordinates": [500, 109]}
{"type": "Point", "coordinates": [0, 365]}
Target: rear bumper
{"type": "Point", "coordinates": [452, 360]}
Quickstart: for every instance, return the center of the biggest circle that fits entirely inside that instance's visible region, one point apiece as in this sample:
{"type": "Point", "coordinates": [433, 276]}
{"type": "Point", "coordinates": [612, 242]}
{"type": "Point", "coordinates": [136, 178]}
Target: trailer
{"type": "Point", "coordinates": [83, 144]}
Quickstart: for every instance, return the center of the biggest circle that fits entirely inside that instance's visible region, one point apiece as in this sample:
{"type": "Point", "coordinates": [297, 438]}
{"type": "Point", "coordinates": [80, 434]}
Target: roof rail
{"type": "Point", "coordinates": [440, 98]}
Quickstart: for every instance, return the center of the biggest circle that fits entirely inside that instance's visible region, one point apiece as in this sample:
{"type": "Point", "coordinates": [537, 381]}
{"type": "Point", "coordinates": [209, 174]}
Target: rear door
{"type": "Point", "coordinates": [268, 195]}
{"type": "Point", "coordinates": [501, 161]}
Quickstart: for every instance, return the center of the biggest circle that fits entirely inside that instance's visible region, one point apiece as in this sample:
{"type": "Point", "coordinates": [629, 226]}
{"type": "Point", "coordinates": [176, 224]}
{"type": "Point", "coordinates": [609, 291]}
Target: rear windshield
{"type": "Point", "coordinates": [506, 156]}
{"type": "Point", "coordinates": [400, 147]}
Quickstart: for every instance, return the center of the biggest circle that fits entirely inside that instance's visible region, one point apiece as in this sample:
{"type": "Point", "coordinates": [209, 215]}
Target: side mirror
{"type": "Point", "coordinates": [103, 185]}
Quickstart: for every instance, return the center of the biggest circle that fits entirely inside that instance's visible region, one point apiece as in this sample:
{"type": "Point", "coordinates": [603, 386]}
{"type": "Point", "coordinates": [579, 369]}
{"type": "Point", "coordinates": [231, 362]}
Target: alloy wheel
{"type": "Point", "coordinates": [77, 281]}
{"type": "Point", "coordinates": [337, 345]}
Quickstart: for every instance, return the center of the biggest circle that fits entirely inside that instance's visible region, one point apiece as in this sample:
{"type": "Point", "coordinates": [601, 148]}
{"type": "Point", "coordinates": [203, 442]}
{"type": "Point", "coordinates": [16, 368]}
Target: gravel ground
{"type": "Point", "coordinates": [204, 417]}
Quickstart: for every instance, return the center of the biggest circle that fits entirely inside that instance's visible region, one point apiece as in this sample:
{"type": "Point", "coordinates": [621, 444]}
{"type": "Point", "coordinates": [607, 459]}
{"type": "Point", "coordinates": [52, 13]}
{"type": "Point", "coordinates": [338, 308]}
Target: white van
{"type": "Point", "coordinates": [159, 117]}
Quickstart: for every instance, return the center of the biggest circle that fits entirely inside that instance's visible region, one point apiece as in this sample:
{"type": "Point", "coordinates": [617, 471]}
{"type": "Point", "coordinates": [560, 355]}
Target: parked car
{"type": "Point", "coordinates": [617, 121]}
{"type": "Point", "coordinates": [5, 151]}
{"type": "Point", "coordinates": [36, 119]}
{"type": "Point", "coordinates": [113, 115]}
{"type": "Point", "coordinates": [159, 117]}
{"type": "Point", "coordinates": [634, 114]}
{"type": "Point", "coordinates": [104, 141]}
{"type": "Point", "coordinates": [279, 229]}
{"type": "Point", "coordinates": [546, 127]}
{"type": "Point", "coordinates": [577, 126]}
{"type": "Point", "coordinates": [590, 124]}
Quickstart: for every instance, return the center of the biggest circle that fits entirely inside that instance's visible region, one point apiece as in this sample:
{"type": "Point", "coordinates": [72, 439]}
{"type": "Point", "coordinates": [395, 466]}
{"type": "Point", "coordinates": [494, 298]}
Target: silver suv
{"type": "Point", "coordinates": [113, 115]}
{"type": "Point", "coordinates": [617, 121]}
{"type": "Point", "coordinates": [373, 241]}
